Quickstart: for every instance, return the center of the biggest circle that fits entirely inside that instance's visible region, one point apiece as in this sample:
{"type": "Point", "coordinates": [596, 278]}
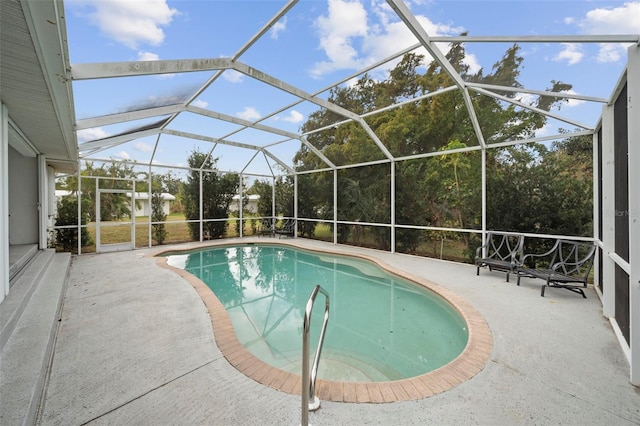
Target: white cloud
{"type": "Point", "coordinates": [133, 22]}
{"type": "Point", "coordinates": [346, 21]}
{"type": "Point", "coordinates": [293, 117]}
{"type": "Point", "coordinates": [610, 53]}
{"type": "Point", "coordinates": [232, 76]}
{"type": "Point", "coordinates": [543, 131]}
{"type": "Point", "coordinates": [200, 103]}
{"type": "Point", "coordinates": [91, 134]}
{"type": "Point", "coordinates": [278, 27]}
{"type": "Point", "coordinates": [572, 102]}
{"type": "Point", "coordinates": [352, 82]}
{"type": "Point", "coordinates": [143, 147]}
{"type": "Point", "coordinates": [623, 19]}
{"type": "Point", "coordinates": [527, 98]}
{"type": "Point", "coordinates": [147, 56]}
{"type": "Point", "coordinates": [619, 20]}
{"type": "Point", "coordinates": [249, 113]}
{"type": "Point", "coordinates": [572, 53]}
{"type": "Point", "coordinates": [123, 155]}
{"type": "Point", "coordinates": [472, 61]}
{"type": "Point", "coordinates": [353, 39]}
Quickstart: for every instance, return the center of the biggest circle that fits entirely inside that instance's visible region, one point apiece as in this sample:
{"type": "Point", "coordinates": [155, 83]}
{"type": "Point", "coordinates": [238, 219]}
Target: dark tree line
{"type": "Point", "coordinates": [531, 188]}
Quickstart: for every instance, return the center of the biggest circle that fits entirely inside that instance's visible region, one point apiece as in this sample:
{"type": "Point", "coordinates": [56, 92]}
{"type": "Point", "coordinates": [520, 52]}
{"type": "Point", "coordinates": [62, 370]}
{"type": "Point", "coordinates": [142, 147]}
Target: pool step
{"type": "Point", "coordinates": [30, 314]}
{"type": "Point", "coordinates": [346, 367]}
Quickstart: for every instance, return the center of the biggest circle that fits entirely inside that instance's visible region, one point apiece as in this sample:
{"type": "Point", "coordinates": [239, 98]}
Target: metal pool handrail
{"type": "Point", "coordinates": [309, 380]}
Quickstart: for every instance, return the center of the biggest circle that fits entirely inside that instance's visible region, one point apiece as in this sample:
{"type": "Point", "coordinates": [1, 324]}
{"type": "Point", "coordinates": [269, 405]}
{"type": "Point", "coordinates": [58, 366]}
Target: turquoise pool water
{"type": "Point", "coordinates": [381, 327]}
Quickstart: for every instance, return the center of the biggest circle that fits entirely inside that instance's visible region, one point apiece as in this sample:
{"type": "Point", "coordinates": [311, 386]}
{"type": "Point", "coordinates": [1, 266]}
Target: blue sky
{"type": "Point", "coordinates": [315, 45]}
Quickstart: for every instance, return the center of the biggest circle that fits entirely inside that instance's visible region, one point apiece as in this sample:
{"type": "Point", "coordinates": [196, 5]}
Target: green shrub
{"type": "Point", "coordinates": [157, 215]}
{"type": "Point", "coordinates": [67, 239]}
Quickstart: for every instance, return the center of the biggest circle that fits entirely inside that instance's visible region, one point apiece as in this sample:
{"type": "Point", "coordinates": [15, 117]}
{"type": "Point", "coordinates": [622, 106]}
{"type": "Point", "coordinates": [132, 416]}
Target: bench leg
{"type": "Point", "coordinates": [507, 276]}
{"type": "Point", "coordinates": [544, 286]}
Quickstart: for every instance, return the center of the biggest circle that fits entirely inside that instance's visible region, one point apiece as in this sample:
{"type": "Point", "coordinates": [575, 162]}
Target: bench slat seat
{"type": "Point", "coordinates": [287, 229]}
{"type": "Point", "coordinates": [567, 265]}
{"type": "Point", "coordinates": [266, 227]}
{"type": "Point", "coordinates": [501, 252]}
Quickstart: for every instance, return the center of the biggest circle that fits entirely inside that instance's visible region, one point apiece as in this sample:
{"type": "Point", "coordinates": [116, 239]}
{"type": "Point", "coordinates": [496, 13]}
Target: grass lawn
{"type": "Point", "coordinates": [111, 233]}
{"type": "Point", "coordinates": [177, 231]}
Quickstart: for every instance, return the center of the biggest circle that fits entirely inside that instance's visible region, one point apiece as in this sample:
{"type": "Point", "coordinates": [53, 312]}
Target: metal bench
{"type": "Point", "coordinates": [266, 227]}
{"type": "Point", "coordinates": [500, 251]}
{"type": "Point", "coordinates": [567, 265]}
{"type": "Point", "coordinates": [287, 229]}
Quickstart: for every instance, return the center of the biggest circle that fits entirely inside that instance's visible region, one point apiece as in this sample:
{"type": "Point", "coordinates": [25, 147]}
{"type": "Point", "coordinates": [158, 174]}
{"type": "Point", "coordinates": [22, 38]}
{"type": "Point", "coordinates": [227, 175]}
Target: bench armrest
{"type": "Point", "coordinates": [501, 246]}
{"type": "Point", "coordinates": [534, 255]}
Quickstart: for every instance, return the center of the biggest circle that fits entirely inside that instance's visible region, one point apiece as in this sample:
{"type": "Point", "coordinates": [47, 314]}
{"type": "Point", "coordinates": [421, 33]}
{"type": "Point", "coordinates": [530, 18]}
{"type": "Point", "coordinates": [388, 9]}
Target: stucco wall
{"type": "Point", "coordinates": [23, 198]}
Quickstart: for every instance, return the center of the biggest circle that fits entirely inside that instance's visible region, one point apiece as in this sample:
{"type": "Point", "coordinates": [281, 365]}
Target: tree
{"type": "Point", "coordinates": [284, 196]}
{"type": "Point", "coordinates": [67, 215]}
{"type": "Point", "coordinates": [541, 189]}
{"type": "Point", "coordinates": [158, 215]}
{"type": "Point", "coordinates": [117, 175]}
{"type": "Point", "coordinates": [217, 193]}
{"type": "Point", "coordinates": [443, 190]}
{"type": "Point", "coordinates": [167, 182]}
{"type": "Point", "coordinates": [265, 202]}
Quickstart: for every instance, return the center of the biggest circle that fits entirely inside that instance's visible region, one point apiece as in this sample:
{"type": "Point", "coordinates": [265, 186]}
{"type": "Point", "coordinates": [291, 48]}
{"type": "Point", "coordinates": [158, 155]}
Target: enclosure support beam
{"type": "Point", "coordinates": [43, 214]}
{"type": "Point", "coordinates": [138, 68]}
{"type": "Point", "coordinates": [633, 112]}
{"type": "Point", "coordinates": [403, 12]}
{"type": "Point", "coordinates": [483, 189]}
{"type": "Point", "coordinates": [393, 206]}
{"type": "Point", "coordinates": [273, 200]}
{"type": "Point", "coordinates": [608, 216]}
{"type": "Point", "coordinates": [295, 205]}
{"type": "Point", "coordinates": [150, 194]}
{"type": "Point", "coordinates": [240, 206]}
{"type": "Point", "coordinates": [335, 206]}
{"type": "Point", "coordinates": [200, 216]}
{"type": "Point", "coordinates": [79, 208]}
{"type": "Point", "coordinates": [4, 200]}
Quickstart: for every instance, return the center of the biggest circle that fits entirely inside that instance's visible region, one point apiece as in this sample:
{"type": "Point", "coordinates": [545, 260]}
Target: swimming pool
{"type": "Point", "coordinates": [381, 328]}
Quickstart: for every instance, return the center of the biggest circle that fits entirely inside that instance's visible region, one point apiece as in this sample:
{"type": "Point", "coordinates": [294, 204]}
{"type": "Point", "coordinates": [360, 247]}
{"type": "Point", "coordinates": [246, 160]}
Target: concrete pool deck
{"type": "Point", "coordinates": [136, 346]}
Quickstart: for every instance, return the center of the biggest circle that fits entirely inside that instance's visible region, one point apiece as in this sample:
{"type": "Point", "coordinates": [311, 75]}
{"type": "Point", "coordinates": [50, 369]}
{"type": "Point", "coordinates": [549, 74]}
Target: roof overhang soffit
{"type": "Point", "coordinates": [47, 28]}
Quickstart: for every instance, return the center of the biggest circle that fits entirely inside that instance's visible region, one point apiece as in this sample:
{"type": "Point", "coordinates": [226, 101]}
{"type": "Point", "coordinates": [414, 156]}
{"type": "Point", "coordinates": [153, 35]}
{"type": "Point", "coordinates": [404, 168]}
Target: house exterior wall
{"type": "Point", "coordinates": [143, 208]}
{"type": "Point", "coordinates": [250, 204]}
{"type": "Point", "coordinates": [23, 198]}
